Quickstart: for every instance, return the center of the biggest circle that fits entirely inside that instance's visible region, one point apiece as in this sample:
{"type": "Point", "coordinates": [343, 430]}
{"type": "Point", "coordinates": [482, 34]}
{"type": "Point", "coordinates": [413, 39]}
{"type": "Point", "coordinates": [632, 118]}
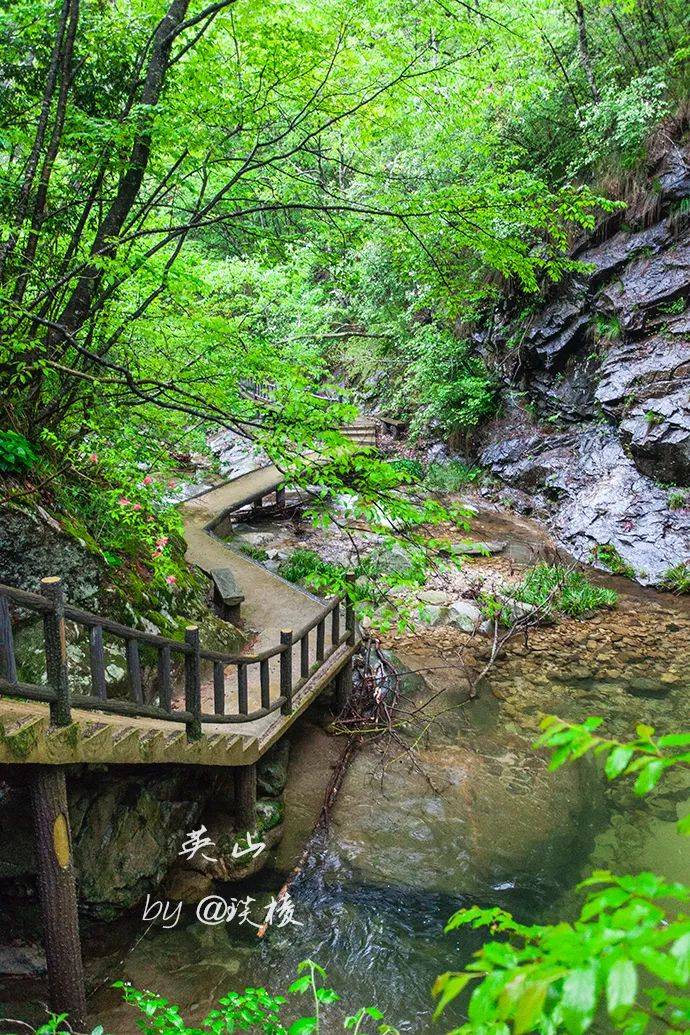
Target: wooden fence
{"type": "Point", "coordinates": [231, 672]}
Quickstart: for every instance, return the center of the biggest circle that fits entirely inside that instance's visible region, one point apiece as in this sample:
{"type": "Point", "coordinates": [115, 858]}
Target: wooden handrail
{"type": "Point", "coordinates": [58, 693]}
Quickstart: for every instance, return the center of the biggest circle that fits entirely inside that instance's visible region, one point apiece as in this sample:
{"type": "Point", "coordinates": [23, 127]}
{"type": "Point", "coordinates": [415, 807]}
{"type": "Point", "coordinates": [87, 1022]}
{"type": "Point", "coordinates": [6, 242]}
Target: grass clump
{"type": "Point", "coordinates": [257, 553]}
{"type": "Point", "coordinates": [412, 469]}
{"type": "Point", "coordinates": [608, 556]}
{"type": "Point", "coordinates": [306, 567]}
{"type": "Point", "coordinates": [450, 476]}
{"type": "Point", "coordinates": [678, 499]}
{"type": "Point", "coordinates": [677, 578]}
{"type": "Point", "coordinates": [562, 590]}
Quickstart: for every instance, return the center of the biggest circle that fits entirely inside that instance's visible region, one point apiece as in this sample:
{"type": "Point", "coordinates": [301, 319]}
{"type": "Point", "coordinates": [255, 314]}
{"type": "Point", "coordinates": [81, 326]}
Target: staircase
{"type": "Point", "coordinates": [364, 431]}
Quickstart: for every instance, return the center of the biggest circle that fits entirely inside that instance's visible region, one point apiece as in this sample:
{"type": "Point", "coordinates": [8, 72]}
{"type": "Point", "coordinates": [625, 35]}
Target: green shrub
{"type": "Point", "coordinates": [257, 553]}
{"type": "Point", "coordinates": [413, 470]}
{"type": "Point", "coordinates": [16, 454]}
{"type": "Point", "coordinates": [677, 499]}
{"type": "Point", "coordinates": [570, 592]}
{"type": "Point", "coordinates": [607, 328]}
{"type": "Point", "coordinates": [450, 476]}
{"type": "Point", "coordinates": [454, 388]}
{"type": "Point", "coordinates": [608, 556]}
{"type": "Point", "coordinates": [677, 579]}
{"type": "Point", "coordinates": [305, 566]}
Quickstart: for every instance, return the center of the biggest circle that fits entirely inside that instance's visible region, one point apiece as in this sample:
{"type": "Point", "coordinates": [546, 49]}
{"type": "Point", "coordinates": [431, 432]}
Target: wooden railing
{"type": "Point", "coordinates": [230, 691]}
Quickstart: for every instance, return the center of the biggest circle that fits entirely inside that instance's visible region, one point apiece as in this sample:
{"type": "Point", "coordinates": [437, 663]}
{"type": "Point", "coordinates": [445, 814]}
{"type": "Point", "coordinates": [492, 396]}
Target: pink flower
{"type": "Point", "coordinates": [137, 506]}
{"type": "Point", "coordinates": [162, 542]}
{"type": "Point", "coordinates": [172, 483]}
{"type": "Point", "coordinates": [170, 579]}
{"type": "Point", "coordinates": [123, 501]}
{"type": "Point", "coordinates": [150, 518]}
{"type": "Point", "coordinates": [148, 480]}
{"type": "Point", "coordinates": [93, 458]}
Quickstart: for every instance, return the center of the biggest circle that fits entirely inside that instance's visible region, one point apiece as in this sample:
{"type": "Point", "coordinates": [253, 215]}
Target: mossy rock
{"type": "Point", "coordinates": [272, 770]}
{"type": "Point", "coordinates": [269, 813]}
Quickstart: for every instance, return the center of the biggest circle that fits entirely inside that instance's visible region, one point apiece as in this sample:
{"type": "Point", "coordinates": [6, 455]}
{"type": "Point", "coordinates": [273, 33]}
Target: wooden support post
{"type": "Point", "coordinates": [245, 797]}
{"type": "Point", "coordinates": [321, 639]}
{"type": "Point", "coordinates": [335, 624]}
{"type": "Point", "coordinates": [56, 651]}
{"type": "Point", "coordinates": [192, 682]}
{"type": "Point", "coordinates": [58, 895]}
{"type": "Point", "coordinates": [304, 656]}
{"type": "Point", "coordinates": [280, 497]}
{"type": "Point", "coordinates": [265, 682]}
{"type": "Point", "coordinates": [219, 687]}
{"type": "Point", "coordinates": [134, 670]}
{"type": "Point", "coordinates": [286, 671]}
{"type": "Point", "coordinates": [343, 686]}
{"type": "Point", "coordinates": [242, 697]}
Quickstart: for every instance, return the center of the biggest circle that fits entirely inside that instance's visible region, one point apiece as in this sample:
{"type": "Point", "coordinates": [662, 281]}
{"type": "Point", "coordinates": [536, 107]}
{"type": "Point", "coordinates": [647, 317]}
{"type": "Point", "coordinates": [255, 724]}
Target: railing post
{"type": "Point", "coordinates": [280, 497]}
{"type": "Point", "coordinates": [335, 623]}
{"type": "Point", "coordinates": [350, 623]}
{"type": "Point", "coordinates": [286, 671]}
{"type": "Point", "coordinates": [7, 642]}
{"type": "Point", "coordinates": [98, 686]}
{"type": "Point", "coordinates": [192, 682]}
{"type": "Point", "coordinates": [56, 651]}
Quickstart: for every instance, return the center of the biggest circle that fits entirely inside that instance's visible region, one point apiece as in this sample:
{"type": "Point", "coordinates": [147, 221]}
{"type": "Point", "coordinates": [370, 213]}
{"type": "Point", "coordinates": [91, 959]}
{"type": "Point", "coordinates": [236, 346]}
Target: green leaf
{"type": "Point", "coordinates": [578, 1000]}
{"type": "Point", "coordinates": [617, 761]}
{"type": "Point", "coordinates": [621, 987]}
{"type": "Point", "coordinates": [303, 1026]}
{"type": "Point", "coordinates": [649, 777]}
{"type": "Point", "coordinates": [529, 1007]}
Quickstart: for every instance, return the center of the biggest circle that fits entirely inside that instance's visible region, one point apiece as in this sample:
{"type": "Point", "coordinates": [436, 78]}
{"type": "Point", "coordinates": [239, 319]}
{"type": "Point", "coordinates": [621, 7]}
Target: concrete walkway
{"type": "Point", "coordinates": [270, 605]}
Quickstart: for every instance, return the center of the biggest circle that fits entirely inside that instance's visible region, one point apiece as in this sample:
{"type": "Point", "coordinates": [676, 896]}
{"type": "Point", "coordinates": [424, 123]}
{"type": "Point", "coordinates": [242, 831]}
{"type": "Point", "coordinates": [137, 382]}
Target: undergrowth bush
{"type": "Point", "coordinates": [16, 453]}
{"type": "Point", "coordinates": [677, 578]}
{"type": "Point", "coordinates": [451, 476]}
{"type": "Point", "coordinates": [452, 386]}
{"type": "Point", "coordinates": [562, 590]}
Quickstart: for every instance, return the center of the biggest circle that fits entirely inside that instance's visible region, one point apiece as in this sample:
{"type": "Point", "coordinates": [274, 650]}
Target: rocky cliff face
{"type": "Point", "coordinates": [596, 421]}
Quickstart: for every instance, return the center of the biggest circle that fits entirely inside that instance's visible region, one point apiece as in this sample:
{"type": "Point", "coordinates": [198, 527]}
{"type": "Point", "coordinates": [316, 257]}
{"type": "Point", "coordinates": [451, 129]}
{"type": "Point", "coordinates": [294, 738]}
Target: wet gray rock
{"type": "Point", "coordinates": [657, 432]}
{"type": "Point", "coordinates": [464, 615]}
{"type": "Point", "coordinates": [272, 769]}
{"type": "Point", "coordinates": [612, 254]}
{"type": "Point", "coordinates": [647, 283]}
{"type": "Point", "coordinates": [609, 346]}
{"type": "Point", "coordinates": [596, 496]}
{"type": "Point", "coordinates": [33, 546]}
{"type": "Point", "coordinates": [645, 387]}
{"type": "Point", "coordinates": [22, 960]}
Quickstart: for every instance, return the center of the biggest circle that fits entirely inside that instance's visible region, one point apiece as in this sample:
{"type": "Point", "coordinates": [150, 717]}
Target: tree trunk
{"type": "Point", "coordinates": [583, 46]}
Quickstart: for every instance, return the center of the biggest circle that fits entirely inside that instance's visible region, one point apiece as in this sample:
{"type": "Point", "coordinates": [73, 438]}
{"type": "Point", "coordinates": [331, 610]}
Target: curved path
{"type": "Point", "coordinates": [270, 603]}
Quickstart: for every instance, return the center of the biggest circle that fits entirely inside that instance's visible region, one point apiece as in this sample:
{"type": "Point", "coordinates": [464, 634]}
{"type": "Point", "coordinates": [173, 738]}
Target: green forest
{"type": "Point", "coordinates": [427, 269]}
